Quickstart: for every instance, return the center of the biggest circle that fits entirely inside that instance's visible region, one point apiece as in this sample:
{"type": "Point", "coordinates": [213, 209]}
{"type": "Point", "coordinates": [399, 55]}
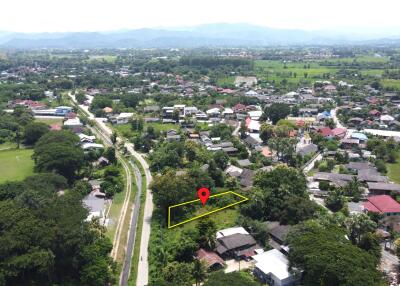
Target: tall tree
{"type": "Point", "coordinates": [326, 256]}
{"type": "Point", "coordinates": [58, 151]}
{"type": "Point", "coordinates": [33, 132]}
{"type": "Point", "coordinates": [199, 271]}
{"type": "Point", "coordinates": [276, 112]}
{"type": "Point", "coordinates": [207, 230]}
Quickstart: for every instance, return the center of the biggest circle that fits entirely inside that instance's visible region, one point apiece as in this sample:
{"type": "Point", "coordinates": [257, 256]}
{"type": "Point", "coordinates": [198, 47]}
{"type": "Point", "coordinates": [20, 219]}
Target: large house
{"type": "Point", "coordinates": [235, 243]}
{"type": "Point", "coordinates": [122, 118]}
{"type": "Point", "coordinates": [387, 207]}
{"type": "Point", "coordinates": [272, 268]}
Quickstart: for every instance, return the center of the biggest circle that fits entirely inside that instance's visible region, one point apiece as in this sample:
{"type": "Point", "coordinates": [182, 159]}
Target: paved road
{"type": "Point", "coordinates": [128, 191]}
{"type": "Point", "coordinates": [143, 267]}
{"type": "Point", "coordinates": [336, 119]}
{"type": "Point", "coordinates": [310, 165]}
{"type": "Point", "coordinates": [105, 134]}
{"type": "Point", "coordinates": [126, 267]}
{"type": "Point", "coordinates": [236, 131]}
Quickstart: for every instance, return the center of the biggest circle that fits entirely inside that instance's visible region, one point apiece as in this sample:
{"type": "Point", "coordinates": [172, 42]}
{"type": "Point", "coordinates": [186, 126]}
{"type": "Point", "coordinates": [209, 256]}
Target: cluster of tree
{"type": "Point", "coordinates": [20, 127]}
{"type": "Point", "coordinates": [337, 197]}
{"type": "Point", "coordinates": [177, 155]}
{"type": "Point", "coordinates": [16, 90]}
{"type": "Point", "coordinates": [173, 260]}
{"type": "Point", "coordinates": [323, 143]}
{"type": "Point", "coordinates": [322, 251]}
{"type": "Point", "coordinates": [59, 151]}
{"type": "Point", "coordinates": [280, 195]}
{"type": "Point", "coordinates": [170, 186]}
{"type": "Point", "coordinates": [279, 139]}
{"type": "Point", "coordinates": [385, 152]}
{"type": "Point", "coordinates": [113, 182]}
{"type": "Point", "coordinates": [276, 112]}
{"type": "Point", "coordinates": [45, 239]}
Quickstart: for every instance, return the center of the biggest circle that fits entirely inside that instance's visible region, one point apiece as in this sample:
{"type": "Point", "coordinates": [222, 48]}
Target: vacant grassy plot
{"type": "Point", "coordinates": [126, 131]}
{"type": "Point", "coordinates": [292, 72]}
{"type": "Point", "coordinates": [391, 83]}
{"type": "Point", "coordinates": [394, 170]}
{"type": "Point", "coordinates": [50, 121]}
{"type": "Point", "coordinates": [363, 59]}
{"type": "Point", "coordinates": [107, 58]}
{"type": "Point", "coordinates": [15, 164]}
{"type": "Point", "coordinates": [229, 80]}
{"type": "Point", "coordinates": [223, 219]}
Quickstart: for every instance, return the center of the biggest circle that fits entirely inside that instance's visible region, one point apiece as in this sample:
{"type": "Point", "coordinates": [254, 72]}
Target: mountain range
{"type": "Point", "coordinates": [208, 35]}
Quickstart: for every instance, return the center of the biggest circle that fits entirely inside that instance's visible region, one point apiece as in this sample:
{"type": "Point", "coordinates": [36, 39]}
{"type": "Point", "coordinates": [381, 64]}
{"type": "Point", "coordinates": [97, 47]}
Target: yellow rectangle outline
{"type": "Point", "coordinates": [199, 216]}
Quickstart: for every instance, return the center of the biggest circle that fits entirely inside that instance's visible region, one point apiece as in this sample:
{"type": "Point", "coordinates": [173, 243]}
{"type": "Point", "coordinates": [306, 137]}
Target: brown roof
{"type": "Point", "coordinates": [234, 241]}
{"type": "Point", "coordinates": [383, 186]}
{"type": "Point", "coordinates": [209, 257]}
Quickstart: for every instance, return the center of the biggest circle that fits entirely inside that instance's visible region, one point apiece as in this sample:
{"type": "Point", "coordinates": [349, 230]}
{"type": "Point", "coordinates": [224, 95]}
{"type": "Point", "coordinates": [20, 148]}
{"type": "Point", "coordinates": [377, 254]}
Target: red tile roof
{"type": "Point", "coordinates": [247, 121]}
{"type": "Point", "coordinates": [374, 112]}
{"type": "Point", "coordinates": [339, 132]}
{"type": "Point", "coordinates": [325, 131]}
{"type": "Point", "coordinates": [228, 91]}
{"type": "Point", "coordinates": [55, 127]}
{"type": "Point", "coordinates": [239, 107]}
{"type": "Point", "coordinates": [382, 204]}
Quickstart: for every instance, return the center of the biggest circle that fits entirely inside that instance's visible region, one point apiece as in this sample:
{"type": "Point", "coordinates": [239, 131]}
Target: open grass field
{"type": "Point", "coordinates": [223, 219]}
{"type": "Point", "coordinates": [391, 83]}
{"type": "Point", "coordinates": [50, 121]}
{"type": "Point", "coordinates": [229, 80]}
{"type": "Point", "coordinates": [15, 164]}
{"type": "Point", "coordinates": [292, 72]}
{"type": "Point", "coordinates": [7, 145]}
{"type": "Point", "coordinates": [107, 58]}
{"type": "Point", "coordinates": [363, 59]}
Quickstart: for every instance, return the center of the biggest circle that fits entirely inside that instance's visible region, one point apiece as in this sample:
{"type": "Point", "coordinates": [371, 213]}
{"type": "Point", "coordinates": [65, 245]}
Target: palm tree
{"type": "Point", "coordinates": [199, 271]}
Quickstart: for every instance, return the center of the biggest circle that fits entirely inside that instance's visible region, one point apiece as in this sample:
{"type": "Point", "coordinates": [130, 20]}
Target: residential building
{"type": "Point", "coordinates": [272, 268]}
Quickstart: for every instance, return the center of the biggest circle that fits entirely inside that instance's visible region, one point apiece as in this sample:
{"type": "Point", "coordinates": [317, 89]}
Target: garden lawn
{"type": "Point", "coordinates": [15, 164]}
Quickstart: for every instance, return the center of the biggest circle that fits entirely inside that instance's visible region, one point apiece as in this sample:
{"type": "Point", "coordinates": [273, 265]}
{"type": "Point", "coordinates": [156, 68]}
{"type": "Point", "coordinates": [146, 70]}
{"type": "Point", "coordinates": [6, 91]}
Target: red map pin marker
{"type": "Point", "coordinates": [203, 194]}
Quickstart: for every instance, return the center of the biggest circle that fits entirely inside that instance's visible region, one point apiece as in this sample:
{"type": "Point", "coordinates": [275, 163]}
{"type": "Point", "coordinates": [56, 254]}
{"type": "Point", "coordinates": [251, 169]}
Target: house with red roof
{"type": "Point", "coordinates": [325, 131]}
{"type": "Point", "coordinates": [227, 91]}
{"type": "Point", "coordinates": [375, 113]}
{"type": "Point", "coordinates": [239, 108]}
{"type": "Point", "coordinates": [386, 206]}
{"type": "Point", "coordinates": [339, 132]}
{"type": "Point", "coordinates": [55, 127]}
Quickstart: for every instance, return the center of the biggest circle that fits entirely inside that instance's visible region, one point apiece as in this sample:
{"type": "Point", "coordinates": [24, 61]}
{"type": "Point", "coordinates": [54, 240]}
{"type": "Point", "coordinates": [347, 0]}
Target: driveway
{"type": "Point", "coordinates": [234, 265]}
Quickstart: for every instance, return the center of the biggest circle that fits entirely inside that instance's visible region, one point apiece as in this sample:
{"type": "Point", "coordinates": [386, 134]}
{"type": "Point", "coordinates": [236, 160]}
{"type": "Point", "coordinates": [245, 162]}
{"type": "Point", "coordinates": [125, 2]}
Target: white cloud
{"type": "Point", "coordinates": [90, 15]}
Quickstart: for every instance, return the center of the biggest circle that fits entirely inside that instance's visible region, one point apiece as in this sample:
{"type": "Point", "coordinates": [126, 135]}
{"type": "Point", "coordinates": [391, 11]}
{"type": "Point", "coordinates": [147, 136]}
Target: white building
{"type": "Point", "coordinates": [92, 146]}
{"type": "Point", "coordinates": [73, 122]}
{"type": "Point", "coordinates": [231, 231]}
{"type": "Point", "coordinates": [122, 118]}
{"type": "Point", "coordinates": [272, 267]}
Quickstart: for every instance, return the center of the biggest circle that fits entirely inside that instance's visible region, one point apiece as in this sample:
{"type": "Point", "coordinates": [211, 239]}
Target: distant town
{"type": "Point", "coordinates": [97, 144]}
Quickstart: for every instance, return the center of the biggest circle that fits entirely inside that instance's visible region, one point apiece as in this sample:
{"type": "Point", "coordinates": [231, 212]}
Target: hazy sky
{"type": "Point", "coordinates": [99, 15]}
